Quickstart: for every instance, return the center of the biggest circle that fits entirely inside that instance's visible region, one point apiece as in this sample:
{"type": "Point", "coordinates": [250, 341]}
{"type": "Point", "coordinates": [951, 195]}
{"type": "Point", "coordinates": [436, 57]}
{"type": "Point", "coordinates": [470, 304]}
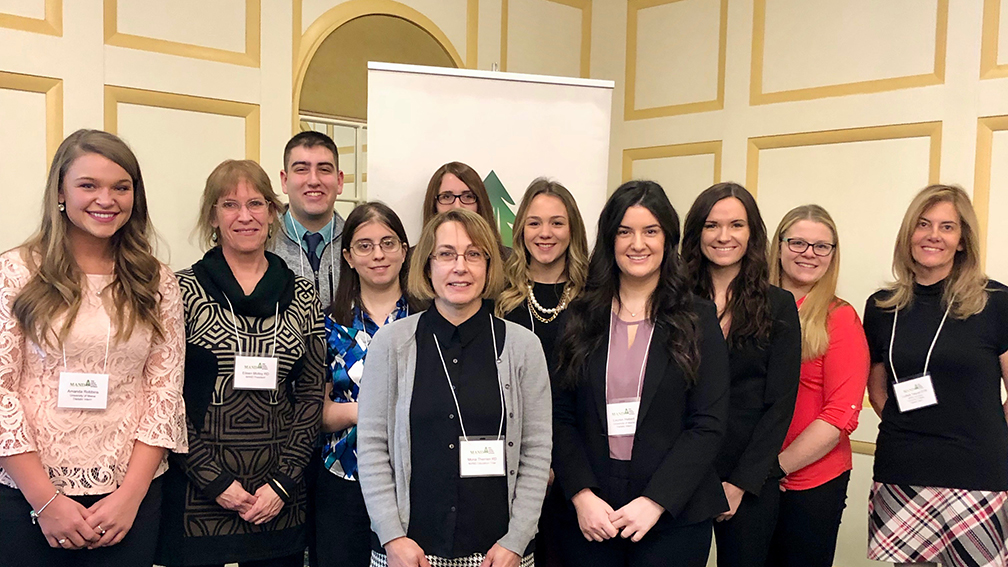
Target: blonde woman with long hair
{"type": "Point", "coordinates": [91, 349]}
{"type": "Point", "coordinates": [938, 338]}
{"type": "Point", "coordinates": [805, 259]}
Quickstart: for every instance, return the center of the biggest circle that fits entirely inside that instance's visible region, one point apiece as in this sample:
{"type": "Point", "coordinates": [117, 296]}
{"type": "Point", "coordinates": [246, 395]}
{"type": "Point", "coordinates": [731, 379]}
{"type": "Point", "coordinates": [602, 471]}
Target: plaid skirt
{"type": "Point", "coordinates": [950, 526]}
{"type": "Point", "coordinates": [474, 560]}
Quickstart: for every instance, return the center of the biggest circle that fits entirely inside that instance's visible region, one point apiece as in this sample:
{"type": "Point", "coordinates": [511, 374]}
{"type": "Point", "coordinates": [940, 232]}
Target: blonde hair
{"type": "Point", "coordinates": [222, 181]}
{"type": "Point", "coordinates": [519, 281]}
{"type": "Point", "coordinates": [55, 285]}
{"type": "Point", "coordinates": [419, 282]}
{"type": "Point", "coordinates": [821, 300]}
{"type": "Point", "coordinates": [965, 293]}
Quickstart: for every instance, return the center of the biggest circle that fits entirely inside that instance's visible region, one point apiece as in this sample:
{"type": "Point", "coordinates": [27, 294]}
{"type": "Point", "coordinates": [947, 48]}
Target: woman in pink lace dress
{"type": "Point", "coordinates": [91, 351]}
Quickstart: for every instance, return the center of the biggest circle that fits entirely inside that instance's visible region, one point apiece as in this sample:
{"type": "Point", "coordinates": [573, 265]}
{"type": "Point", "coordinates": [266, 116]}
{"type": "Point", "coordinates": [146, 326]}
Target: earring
{"type": "Point", "coordinates": [269, 232]}
{"type": "Point", "coordinates": [213, 237]}
{"type": "Point", "coordinates": [61, 207]}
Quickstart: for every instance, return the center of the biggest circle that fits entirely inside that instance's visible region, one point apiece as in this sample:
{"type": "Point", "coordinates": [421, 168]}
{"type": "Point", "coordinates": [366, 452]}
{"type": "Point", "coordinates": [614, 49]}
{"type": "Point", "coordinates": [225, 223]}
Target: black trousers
{"type": "Point", "coordinates": [807, 525]}
{"type": "Point", "coordinates": [342, 526]}
{"type": "Point", "coordinates": [665, 545]}
{"type": "Point", "coordinates": [296, 560]}
{"type": "Point", "coordinates": [744, 540]}
{"type": "Point", "coordinates": [22, 543]}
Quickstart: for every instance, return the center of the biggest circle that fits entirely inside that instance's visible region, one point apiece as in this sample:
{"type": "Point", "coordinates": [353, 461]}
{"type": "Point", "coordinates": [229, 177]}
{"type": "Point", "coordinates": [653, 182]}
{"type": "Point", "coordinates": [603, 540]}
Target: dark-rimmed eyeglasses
{"type": "Point", "coordinates": [467, 198]}
{"type": "Point", "coordinates": [800, 245]}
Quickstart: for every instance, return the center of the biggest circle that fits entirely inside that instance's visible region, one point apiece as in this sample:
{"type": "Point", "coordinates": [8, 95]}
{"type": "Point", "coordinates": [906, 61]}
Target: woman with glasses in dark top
{"type": "Point", "coordinates": [455, 185]}
{"type": "Point", "coordinates": [371, 294]}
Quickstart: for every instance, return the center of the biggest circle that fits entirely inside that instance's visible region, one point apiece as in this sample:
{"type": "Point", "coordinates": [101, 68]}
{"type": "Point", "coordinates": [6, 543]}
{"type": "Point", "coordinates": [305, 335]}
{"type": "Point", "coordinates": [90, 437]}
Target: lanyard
{"type": "Point", "coordinates": [640, 381]}
{"type": "Point", "coordinates": [332, 253]}
{"type": "Point", "coordinates": [452, 386]}
{"type": "Point", "coordinates": [927, 361]}
{"type": "Point", "coordinates": [234, 320]}
{"type": "Point", "coordinates": [108, 339]}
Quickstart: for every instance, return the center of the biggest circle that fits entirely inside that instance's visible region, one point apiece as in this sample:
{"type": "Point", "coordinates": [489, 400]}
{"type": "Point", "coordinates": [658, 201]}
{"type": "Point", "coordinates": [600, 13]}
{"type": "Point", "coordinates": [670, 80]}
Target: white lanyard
{"type": "Point", "coordinates": [493, 334]}
{"type": "Point", "coordinates": [234, 320]}
{"type": "Point", "coordinates": [640, 382]}
{"type": "Point", "coordinates": [927, 361]}
{"type": "Point", "coordinates": [332, 252]}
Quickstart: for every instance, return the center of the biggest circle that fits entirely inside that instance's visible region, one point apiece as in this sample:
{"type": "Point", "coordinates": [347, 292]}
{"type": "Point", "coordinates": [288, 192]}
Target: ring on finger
{"type": "Point", "coordinates": [61, 541]}
{"type": "Point", "coordinates": [101, 530]}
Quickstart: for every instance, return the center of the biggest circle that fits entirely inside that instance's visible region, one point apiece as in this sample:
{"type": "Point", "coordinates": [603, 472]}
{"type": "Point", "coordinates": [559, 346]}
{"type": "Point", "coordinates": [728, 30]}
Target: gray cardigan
{"type": "Point", "coordinates": [383, 430]}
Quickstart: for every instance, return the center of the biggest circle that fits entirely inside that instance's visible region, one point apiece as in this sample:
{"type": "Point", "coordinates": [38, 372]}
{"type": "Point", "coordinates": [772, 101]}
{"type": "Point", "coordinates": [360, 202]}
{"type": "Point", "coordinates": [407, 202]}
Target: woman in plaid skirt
{"type": "Point", "coordinates": [938, 338]}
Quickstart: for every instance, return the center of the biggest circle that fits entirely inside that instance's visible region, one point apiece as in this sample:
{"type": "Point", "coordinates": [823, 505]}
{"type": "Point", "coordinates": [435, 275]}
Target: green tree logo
{"type": "Point", "coordinates": [501, 202]}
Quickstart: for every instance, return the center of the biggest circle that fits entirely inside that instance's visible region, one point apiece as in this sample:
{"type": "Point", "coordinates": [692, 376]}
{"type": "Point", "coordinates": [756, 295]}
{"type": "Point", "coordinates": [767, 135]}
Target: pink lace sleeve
{"type": "Point", "coordinates": [163, 424]}
{"type": "Point", "coordinates": [15, 435]}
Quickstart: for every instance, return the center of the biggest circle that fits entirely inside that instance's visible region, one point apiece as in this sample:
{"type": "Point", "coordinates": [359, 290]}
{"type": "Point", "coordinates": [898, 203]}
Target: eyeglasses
{"type": "Point", "coordinates": [254, 206]}
{"type": "Point", "coordinates": [472, 256]}
{"type": "Point", "coordinates": [467, 198]}
{"type": "Point", "coordinates": [799, 246]}
{"type": "Point", "coordinates": [367, 247]}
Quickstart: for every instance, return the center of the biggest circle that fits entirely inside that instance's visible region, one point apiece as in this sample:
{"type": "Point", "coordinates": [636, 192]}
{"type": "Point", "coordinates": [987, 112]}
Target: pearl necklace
{"type": "Point", "coordinates": [552, 312]}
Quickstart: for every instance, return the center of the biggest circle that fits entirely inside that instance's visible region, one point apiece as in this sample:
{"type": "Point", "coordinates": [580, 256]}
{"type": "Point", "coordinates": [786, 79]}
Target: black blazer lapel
{"type": "Point", "coordinates": [657, 363]}
{"type": "Point", "coordinates": [597, 378]}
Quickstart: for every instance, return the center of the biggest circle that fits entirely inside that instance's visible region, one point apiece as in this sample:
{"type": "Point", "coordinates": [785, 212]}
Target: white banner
{"type": "Point", "coordinates": [507, 126]}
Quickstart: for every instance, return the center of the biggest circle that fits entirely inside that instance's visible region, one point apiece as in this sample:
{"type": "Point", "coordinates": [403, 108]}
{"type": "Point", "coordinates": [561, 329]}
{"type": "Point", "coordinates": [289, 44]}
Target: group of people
{"type": "Point", "coordinates": [323, 383]}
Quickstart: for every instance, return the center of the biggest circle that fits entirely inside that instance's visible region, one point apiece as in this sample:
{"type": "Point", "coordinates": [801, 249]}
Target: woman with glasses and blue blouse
{"type": "Point", "coordinates": [454, 428]}
{"type": "Point", "coordinates": [371, 293]}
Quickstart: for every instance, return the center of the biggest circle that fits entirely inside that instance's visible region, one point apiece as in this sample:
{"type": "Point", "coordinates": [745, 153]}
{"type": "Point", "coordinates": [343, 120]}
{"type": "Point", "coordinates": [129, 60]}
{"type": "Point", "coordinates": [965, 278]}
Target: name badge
{"type": "Point", "coordinates": [621, 417]}
{"type": "Point", "coordinates": [481, 457]}
{"type": "Point", "coordinates": [81, 390]}
{"type": "Point", "coordinates": [255, 373]}
{"type": "Point", "coordinates": [915, 393]}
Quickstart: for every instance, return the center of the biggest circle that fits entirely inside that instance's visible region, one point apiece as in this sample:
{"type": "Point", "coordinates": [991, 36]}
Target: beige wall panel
{"type": "Point", "coordinates": [682, 177]}
{"type": "Point", "coordinates": [868, 422]}
{"type": "Point", "coordinates": [488, 38]}
{"type": "Point", "coordinates": [809, 43]}
{"type": "Point", "coordinates": [176, 163]}
{"type": "Point", "coordinates": [219, 24]}
{"type": "Point", "coordinates": [997, 227]}
{"type": "Point", "coordinates": [160, 72]}
{"type": "Point", "coordinates": [865, 186]}
{"type": "Point", "coordinates": [23, 161]}
{"type": "Point", "coordinates": [538, 27]}
{"type": "Point", "coordinates": [677, 53]}
{"type": "Point", "coordinates": [312, 9]}
{"type": "Point", "coordinates": [24, 8]}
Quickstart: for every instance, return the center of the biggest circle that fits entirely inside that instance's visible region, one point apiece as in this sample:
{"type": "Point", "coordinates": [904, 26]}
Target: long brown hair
{"type": "Point", "coordinates": [967, 283]}
{"type": "Point", "coordinates": [55, 285]}
{"type": "Point", "coordinates": [516, 267]}
{"type": "Point", "coordinates": [821, 299]}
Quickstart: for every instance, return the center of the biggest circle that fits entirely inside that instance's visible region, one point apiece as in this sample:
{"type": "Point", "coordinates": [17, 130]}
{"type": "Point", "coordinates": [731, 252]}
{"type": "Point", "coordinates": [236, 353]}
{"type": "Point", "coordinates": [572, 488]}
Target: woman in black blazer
{"type": "Point", "coordinates": [724, 251]}
{"type": "Point", "coordinates": [641, 399]}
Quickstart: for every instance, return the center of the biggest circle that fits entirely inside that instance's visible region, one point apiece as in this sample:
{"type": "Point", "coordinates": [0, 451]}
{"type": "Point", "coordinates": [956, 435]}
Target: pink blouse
{"type": "Point", "coordinates": [88, 451]}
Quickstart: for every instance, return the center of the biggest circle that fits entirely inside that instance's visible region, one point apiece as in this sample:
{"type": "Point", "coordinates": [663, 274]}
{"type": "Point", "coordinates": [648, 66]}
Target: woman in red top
{"type": "Point", "coordinates": [816, 456]}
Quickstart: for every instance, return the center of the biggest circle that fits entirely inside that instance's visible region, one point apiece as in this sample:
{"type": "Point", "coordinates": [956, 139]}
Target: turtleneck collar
{"type": "Point", "coordinates": [933, 290]}
{"type": "Point", "coordinates": [276, 285]}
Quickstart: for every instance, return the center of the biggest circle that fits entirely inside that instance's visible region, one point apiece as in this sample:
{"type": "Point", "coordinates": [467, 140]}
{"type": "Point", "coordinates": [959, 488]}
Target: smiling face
{"type": "Point", "coordinates": [640, 244]}
{"type": "Point", "coordinates": [453, 185]}
{"type": "Point", "coordinates": [725, 235]}
{"type": "Point", "coordinates": [546, 232]}
{"type": "Point", "coordinates": [458, 284]}
{"type": "Point", "coordinates": [935, 241]}
{"type": "Point", "coordinates": [379, 268]}
{"type": "Point", "coordinates": [312, 182]}
{"type": "Point", "coordinates": [802, 271]}
{"type": "Point", "coordinates": [243, 217]}
{"type": "Point", "coordinates": [98, 196]}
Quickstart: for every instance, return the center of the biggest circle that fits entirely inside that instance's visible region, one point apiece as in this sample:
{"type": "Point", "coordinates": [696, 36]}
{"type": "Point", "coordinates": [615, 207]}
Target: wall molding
{"type": "Point", "coordinates": [757, 96]}
{"type": "Point", "coordinates": [863, 447]}
{"type": "Point", "coordinates": [52, 88]}
{"type": "Point", "coordinates": [115, 95]}
{"type": "Point", "coordinates": [989, 42]}
{"type": "Point", "coordinates": [986, 126]}
{"type": "Point", "coordinates": [472, 34]}
{"type": "Point", "coordinates": [630, 110]}
{"type": "Point", "coordinates": [51, 24]}
{"type": "Point", "coordinates": [630, 155]}
{"type": "Point", "coordinates": [586, 30]}
{"type": "Point", "coordinates": [248, 58]}
{"type": "Point", "coordinates": [930, 130]}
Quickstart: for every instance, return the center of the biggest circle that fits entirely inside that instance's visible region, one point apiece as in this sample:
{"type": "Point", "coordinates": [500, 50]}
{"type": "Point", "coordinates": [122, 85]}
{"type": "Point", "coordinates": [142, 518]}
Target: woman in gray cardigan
{"type": "Point", "coordinates": [454, 429]}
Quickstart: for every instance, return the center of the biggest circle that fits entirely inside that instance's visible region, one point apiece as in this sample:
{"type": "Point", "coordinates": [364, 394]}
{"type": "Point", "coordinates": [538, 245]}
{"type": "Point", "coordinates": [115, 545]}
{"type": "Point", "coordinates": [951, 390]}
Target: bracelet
{"type": "Point", "coordinates": [34, 515]}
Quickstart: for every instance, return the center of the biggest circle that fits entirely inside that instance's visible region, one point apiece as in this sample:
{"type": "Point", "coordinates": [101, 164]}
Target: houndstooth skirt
{"type": "Point", "coordinates": [951, 526]}
{"type": "Point", "coordinates": [474, 560]}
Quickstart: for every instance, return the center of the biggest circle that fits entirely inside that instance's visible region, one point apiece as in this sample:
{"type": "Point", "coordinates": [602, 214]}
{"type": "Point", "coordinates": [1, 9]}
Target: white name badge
{"type": "Point", "coordinates": [621, 417]}
{"type": "Point", "coordinates": [915, 393]}
{"type": "Point", "coordinates": [481, 457]}
{"type": "Point", "coordinates": [255, 373]}
{"type": "Point", "coordinates": [81, 390]}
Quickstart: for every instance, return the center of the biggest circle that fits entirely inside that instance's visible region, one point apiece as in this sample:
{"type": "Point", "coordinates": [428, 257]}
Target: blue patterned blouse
{"type": "Point", "coordinates": [346, 348]}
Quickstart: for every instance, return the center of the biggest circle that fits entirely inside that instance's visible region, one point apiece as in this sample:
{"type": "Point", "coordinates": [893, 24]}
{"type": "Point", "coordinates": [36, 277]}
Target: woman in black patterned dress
{"type": "Point", "coordinates": [253, 388]}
